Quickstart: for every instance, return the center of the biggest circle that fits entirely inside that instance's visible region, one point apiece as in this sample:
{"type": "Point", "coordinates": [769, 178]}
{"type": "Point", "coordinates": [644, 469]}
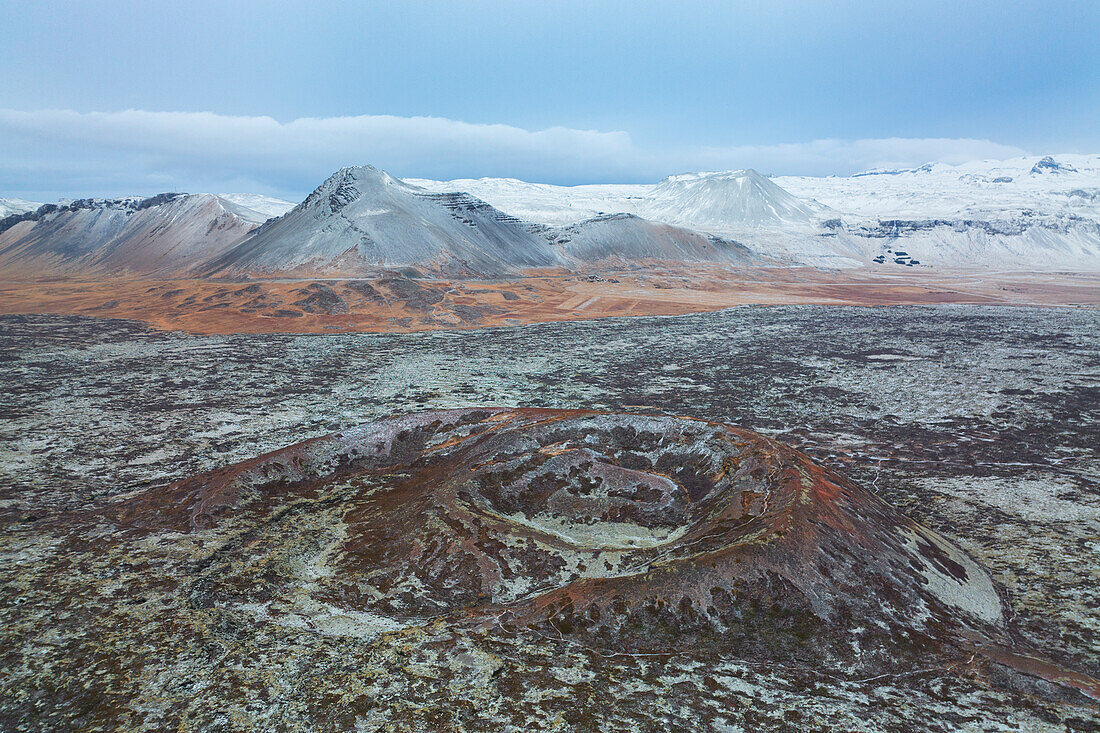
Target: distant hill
{"type": "Point", "coordinates": [8, 207]}
{"type": "Point", "coordinates": [731, 199]}
{"type": "Point", "coordinates": [625, 237]}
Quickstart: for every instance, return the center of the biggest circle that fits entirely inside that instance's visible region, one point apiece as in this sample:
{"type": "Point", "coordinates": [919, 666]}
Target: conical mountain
{"type": "Point", "coordinates": [362, 219]}
{"type": "Point", "coordinates": [731, 199]}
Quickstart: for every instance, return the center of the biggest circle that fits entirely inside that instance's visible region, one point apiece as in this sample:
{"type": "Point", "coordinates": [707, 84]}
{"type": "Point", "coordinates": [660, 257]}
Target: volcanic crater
{"type": "Point", "coordinates": [635, 534]}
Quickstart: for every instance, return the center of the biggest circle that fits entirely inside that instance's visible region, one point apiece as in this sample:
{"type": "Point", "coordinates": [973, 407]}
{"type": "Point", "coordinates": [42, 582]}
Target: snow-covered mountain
{"type": "Point", "coordinates": [1030, 213]}
{"type": "Point", "coordinates": [726, 200]}
{"type": "Point", "coordinates": [9, 207]}
{"type": "Point", "coordinates": [979, 189]}
{"type": "Point", "coordinates": [1027, 213]}
{"type": "Point", "coordinates": [268, 206]}
{"type": "Point", "coordinates": [170, 233]}
{"type": "Point", "coordinates": [742, 206]}
{"type": "Point", "coordinates": [362, 218]}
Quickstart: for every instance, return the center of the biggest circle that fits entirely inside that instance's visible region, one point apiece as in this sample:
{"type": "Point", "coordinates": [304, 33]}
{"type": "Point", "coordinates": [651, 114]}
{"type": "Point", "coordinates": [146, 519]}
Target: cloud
{"type": "Point", "coordinates": [48, 153]}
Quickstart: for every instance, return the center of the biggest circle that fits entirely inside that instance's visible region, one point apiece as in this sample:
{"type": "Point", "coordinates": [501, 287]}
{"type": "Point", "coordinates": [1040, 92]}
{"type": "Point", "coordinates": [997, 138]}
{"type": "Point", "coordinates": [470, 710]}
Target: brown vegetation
{"type": "Point", "coordinates": [395, 302]}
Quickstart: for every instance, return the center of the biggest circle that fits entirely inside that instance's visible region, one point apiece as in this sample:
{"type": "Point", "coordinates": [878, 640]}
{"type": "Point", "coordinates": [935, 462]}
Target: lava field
{"type": "Point", "coordinates": [789, 518]}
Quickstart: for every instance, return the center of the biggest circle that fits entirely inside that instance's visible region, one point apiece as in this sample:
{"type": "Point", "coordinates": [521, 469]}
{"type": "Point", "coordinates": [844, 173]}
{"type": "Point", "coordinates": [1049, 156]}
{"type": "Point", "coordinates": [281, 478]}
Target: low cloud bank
{"type": "Point", "coordinates": [50, 153]}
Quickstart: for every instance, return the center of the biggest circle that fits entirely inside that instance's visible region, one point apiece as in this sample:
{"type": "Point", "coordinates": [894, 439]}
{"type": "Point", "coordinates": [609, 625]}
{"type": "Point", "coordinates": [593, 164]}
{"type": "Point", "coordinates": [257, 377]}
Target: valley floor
{"type": "Point", "coordinates": [393, 302]}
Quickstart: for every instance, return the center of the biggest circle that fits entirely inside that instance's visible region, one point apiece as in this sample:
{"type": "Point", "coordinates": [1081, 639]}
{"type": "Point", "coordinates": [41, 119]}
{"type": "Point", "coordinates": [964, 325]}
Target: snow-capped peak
{"type": "Point", "coordinates": [725, 199]}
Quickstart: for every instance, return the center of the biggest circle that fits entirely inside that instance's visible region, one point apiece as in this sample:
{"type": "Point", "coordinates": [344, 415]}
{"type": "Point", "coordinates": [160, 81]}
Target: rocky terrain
{"type": "Point", "coordinates": [588, 571]}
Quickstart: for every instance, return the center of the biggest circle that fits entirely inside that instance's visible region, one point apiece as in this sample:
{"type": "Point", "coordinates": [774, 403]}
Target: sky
{"type": "Point", "coordinates": [111, 98]}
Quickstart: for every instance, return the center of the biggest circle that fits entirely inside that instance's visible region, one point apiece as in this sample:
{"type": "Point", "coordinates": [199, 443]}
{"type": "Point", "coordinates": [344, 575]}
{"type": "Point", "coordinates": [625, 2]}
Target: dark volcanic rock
{"type": "Point", "coordinates": [412, 294]}
{"type": "Point", "coordinates": [320, 298]}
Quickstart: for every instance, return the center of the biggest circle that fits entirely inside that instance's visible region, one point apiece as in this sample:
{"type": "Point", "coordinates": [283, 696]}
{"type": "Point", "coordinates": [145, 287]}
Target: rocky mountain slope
{"type": "Point", "coordinates": [363, 218]}
{"type": "Point", "coordinates": [166, 234]}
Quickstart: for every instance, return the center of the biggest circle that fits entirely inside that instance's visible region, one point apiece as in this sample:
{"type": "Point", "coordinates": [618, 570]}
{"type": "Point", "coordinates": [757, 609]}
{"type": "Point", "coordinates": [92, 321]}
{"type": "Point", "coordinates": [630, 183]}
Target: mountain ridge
{"type": "Point", "coordinates": [169, 233]}
{"type": "Point", "coordinates": [1032, 213]}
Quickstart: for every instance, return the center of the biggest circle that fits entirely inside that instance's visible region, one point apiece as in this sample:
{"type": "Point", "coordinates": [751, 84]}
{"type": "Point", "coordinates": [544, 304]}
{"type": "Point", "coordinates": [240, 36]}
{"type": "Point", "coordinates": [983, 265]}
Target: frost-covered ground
{"type": "Point", "coordinates": [979, 422]}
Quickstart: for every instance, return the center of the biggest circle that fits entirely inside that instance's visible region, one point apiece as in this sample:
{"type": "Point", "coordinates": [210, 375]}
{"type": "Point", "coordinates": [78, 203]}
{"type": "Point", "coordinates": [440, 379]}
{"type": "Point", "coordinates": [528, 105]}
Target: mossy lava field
{"type": "Point", "coordinates": [791, 518]}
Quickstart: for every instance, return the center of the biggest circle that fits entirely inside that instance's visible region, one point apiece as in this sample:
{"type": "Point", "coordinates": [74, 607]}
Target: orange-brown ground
{"type": "Point", "coordinates": [395, 303]}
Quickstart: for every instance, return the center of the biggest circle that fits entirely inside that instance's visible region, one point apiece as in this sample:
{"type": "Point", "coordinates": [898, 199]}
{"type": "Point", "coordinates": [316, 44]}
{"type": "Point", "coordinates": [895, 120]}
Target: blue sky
{"type": "Point", "coordinates": [111, 97]}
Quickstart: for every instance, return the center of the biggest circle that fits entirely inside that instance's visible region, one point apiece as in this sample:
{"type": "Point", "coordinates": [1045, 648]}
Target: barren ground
{"type": "Point", "coordinates": [397, 304]}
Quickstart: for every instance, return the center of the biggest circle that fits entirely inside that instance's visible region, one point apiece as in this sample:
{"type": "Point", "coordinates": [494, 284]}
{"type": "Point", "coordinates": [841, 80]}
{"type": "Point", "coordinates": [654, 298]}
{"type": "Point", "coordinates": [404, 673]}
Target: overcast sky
{"type": "Point", "coordinates": [109, 98]}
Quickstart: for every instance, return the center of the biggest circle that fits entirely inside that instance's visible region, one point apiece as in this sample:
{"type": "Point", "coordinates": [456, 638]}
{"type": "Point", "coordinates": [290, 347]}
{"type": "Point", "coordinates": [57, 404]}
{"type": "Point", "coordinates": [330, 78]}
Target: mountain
{"type": "Point", "coordinates": [725, 201]}
{"type": "Point", "coordinates": [268, 206]}
{"type": "Point", "coordinates": [626, 238]}
{"type": "Point", "coordinates": [362, 218]}
{"type": "Point", "coordinates": [9, 207]}
{"type": "Point", "coordinates": [1028, 213]}
{"type": "Point", "coordinates": [1024, 213]}
{"type": "Point", "coordinates": [546, 203]}
{"type": "Point", "coordinates": [171, 233]}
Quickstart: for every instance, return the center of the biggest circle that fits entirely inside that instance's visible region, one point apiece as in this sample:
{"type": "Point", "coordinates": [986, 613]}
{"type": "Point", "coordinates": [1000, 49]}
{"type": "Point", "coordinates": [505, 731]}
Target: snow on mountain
{"type": "Point", "coordinates": [735, 205]}
{"type": "Point", "coordinates": [725, 201]}
{"type": "Point", "coordinates": [9, 207]}
{"type": "Point", "coordinates": [1029, 213]}
{"type": "Point", "coordinates": [1025, 213]}
{"type": "Point", "coordinates": [980, 189]}
{"type": "Point", "coordinates": [545, 203]}
{"type": "Point", "coordinates": [169, 233]}
{"type": "Point", "coordinates": [266, 206]}
{"type": "Point", "coordinates": [363, 218]}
